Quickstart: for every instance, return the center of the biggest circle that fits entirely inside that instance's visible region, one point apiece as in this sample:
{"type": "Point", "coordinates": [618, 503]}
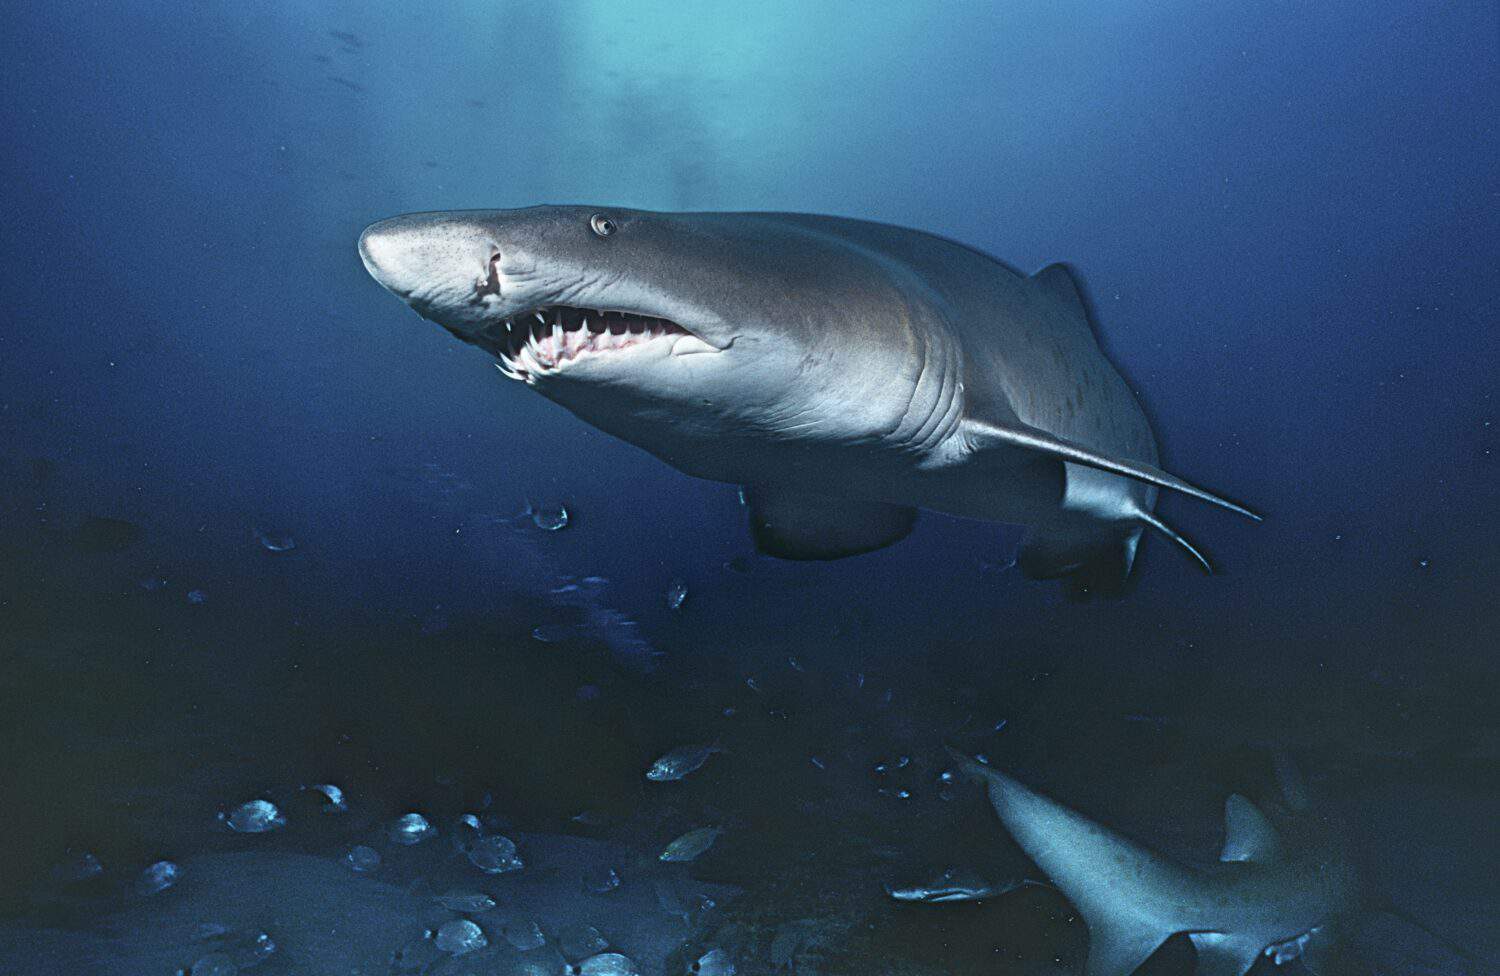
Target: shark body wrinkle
{"type": "Point", "coordinates": [846, 373]}
{"type": "Point", "coordinates": [1284, 888]}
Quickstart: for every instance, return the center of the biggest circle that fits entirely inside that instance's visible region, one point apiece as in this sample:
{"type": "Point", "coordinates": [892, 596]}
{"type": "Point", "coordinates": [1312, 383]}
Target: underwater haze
{"type": "Point", "coordinates": [283, 563]}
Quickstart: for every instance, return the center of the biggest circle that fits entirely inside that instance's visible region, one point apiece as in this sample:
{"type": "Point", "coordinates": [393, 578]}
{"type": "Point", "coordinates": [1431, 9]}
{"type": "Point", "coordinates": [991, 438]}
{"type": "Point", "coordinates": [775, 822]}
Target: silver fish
{"type": "Point", "coordinates": [691, 844]}
{"type": "Point", "coordinates": [681, 762]}
{"type": "Point", "coordinates": [954, 884]}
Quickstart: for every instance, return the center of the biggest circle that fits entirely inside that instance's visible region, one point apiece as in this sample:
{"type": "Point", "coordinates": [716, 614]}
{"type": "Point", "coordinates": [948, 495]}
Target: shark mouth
{"type": "Point", "coordinates": [541, 341]}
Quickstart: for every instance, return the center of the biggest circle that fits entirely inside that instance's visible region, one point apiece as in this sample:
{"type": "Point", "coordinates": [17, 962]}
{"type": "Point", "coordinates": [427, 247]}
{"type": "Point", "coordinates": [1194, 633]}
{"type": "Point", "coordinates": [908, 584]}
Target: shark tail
{"type": "Point", "coordinates": [1126, 925]}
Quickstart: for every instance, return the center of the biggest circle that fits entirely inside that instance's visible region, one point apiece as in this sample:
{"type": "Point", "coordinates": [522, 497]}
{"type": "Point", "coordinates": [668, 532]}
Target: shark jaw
{"type": "Point", "coordinates": [552, 339]}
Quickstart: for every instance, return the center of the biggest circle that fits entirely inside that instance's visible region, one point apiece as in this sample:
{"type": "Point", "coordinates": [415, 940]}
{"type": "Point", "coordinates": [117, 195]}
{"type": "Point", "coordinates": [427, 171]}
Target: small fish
{"type": "Point", "coordinates": [459, 937]}
{"type": "Point", "coordinates": [681, 762]}
{"type": "Point", "coordinates": [272, 542]}
{"type": "Point", "coordinates": [335, 797]}
{"type": "Point", "coordinates": [466, 901]}
{"type": "Point", "coordinates": [954, 884]}
{"type": "Point", "coordinates": [254, 817]}
{"type": "Point", "coordinates": [714, 962]}
{"type": "Point", "coordinates": [156, 878]}
{"type": "Point", "coordinates": [410, 829]}
{"type": "Point", "coordinates": [362, 859]}
{"type": "Point", "coordinates": [691, 844]}
{"type": "Point", "coordinates": [608, 964]}
{"type": "Point", "coordinates": [524, 934]}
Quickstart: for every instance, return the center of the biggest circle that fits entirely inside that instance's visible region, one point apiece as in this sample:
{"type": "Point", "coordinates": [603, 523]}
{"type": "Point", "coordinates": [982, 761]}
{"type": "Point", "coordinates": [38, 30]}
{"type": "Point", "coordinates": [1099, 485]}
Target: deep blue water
{"type": "Point", "coordinates": [1287, 217]}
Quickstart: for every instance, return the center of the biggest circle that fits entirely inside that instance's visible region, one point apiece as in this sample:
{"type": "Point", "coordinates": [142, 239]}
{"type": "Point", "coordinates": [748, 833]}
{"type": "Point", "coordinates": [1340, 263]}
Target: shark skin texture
{"type": "Point", "coordinates": [846, 373]}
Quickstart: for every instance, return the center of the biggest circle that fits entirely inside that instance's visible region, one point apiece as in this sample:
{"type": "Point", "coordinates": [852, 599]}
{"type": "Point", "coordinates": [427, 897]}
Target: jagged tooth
{"type": "Point", "coordinates": [529, 361]}
{"type": "Point", "coordinates": [540, 317]}
{"type": "Point", "coordinates": [557, 332]}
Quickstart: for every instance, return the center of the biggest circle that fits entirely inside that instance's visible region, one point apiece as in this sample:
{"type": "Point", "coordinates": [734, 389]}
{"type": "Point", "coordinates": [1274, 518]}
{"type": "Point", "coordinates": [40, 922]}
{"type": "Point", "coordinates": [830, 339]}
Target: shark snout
{"type": "Point", "coordinates": [427, 260]}
{"type": "Point", "coordinates": [383, 252]}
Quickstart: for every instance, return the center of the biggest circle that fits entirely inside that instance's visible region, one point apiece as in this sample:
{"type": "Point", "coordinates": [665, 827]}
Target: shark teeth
{"type": "Point", "coordinates": [542, 340]}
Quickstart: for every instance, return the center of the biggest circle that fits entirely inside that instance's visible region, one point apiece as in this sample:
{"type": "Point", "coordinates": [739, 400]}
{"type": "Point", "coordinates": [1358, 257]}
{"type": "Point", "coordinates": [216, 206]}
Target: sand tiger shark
{"type": "Point", "coordinates": [845, 373]}
{"type": "Point", "coordinates": [1285, 889]}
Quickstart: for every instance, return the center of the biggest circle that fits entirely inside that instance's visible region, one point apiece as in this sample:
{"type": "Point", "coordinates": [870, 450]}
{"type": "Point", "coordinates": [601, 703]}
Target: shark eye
{"type": "Point", "coordinates": [602, 225]}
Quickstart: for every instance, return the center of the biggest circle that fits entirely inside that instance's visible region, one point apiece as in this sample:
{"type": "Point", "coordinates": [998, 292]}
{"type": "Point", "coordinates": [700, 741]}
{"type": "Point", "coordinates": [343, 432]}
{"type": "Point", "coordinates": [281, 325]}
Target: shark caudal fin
{"type": "Point", "coordinates": [1128, 895]}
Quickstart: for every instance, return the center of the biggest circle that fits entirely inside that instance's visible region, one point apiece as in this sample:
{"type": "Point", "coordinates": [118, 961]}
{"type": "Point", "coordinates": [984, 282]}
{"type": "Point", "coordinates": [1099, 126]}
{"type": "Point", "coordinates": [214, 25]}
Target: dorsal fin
{"type": "Point", "coordinates": [1057, 281]}
{"type": "Point", "coordinates": [1248, 835]}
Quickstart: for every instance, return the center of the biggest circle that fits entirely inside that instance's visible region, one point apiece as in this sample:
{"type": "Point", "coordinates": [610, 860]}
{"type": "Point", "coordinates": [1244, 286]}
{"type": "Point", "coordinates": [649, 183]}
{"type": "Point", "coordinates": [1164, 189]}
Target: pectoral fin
{"type": "Point", "coordinates": [805, 526]}
{"type": "Point", "coordinates": [983, 436]}
{"type": "Point", "coordinates": [1223, 955]}
{"type": "Point", "coordinates": [1118, 946]}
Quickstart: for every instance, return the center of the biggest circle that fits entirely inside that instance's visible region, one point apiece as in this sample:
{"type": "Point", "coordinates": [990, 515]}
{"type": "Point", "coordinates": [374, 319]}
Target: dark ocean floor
{"type": "Point", "coordinates": [132, 735]}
